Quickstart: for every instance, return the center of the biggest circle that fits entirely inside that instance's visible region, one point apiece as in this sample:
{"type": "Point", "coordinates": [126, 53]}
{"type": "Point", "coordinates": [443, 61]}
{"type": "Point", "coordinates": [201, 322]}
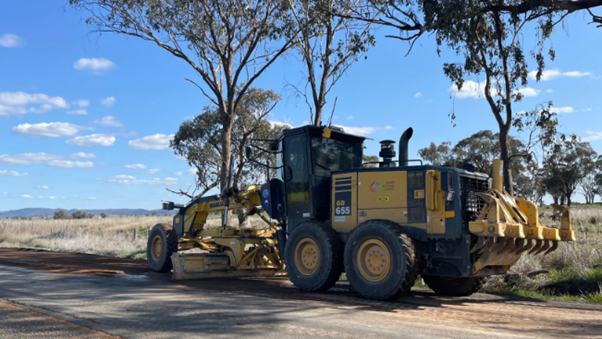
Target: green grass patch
{"type": "Point", "coordinates": [137, 254]}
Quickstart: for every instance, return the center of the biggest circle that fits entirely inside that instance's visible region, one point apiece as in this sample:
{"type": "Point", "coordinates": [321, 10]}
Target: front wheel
{"type": "Point", "coordinates": [454, 287]}
{"type": "Point", "coordinates": [162, 243]}
{"type": "Point", "coordinates": [313, 257]}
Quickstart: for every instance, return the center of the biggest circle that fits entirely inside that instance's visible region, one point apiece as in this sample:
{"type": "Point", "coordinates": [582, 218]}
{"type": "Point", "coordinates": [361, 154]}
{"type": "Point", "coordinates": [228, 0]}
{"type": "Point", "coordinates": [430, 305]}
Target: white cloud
{"type": "Point", "coordinates": [92, 140]}
{"type": "Point", "coordinates": [155, 182]}
{"type": "Point", "coordinates": [43, 187]}
{"type": "Point", "coordinates": [181, 158]}
{"type": "Point", "coordinates": [548, 75]}
{"type": "Point", "coordinates": [27, 196]}
{"type": "Point", "coordinates": [10, 40]}
{"type": "Point", "coordinates": [151, 142]}
{"type": "Point", "coordinates": [528, 92]}
{"type": "Point", "coordinates": [83, 155]}
{"type": "Point", "coordinates": [26, 158]}
{"type": "Point", "coordinates": [470, 89]}
{"type": "Point", "coordinates": [563, 109]}
{"type": "Point", "coordinates": [13, 173]}
{"type": "Point", "coordinates": [592, 136]}
{"type": "Point", "coordinates": [51, 197]}
{"type": "Point", "coordinates": [49, 130]}
{"type": "Point", "coordinates": [350, 117]}
{"type": "Point", "coordinates": [549, 91]}
{"type": "Point", "coordinates": [108, 121]}
{"type": "Point", "coordinates": [191, 171]}
{"type": "Point", "coordinates": [78, 112]}
{"type": "Point", "coordinates": [135, 166]}
{"type": "Point", "coordinates": [359, 130]}
{"type": "Point", "coordinates": [123, 176]}
{"type": "Point", "coordinates": [586, 109]}
{"type": "Point", "coordinates": [70, 164]}
{"type": "Point", "coordinates": [40, 197]}
{"type": "Point", "coordinates": [282, 124]}
{"type": "Point", "coordinates": [93, 64]}
{"type": "Point", "coordinates": [153, 171]}
{"type": "Point", "coordinates": [91, 198]}
{"type": "Point", "coordinates": [388, 128]}
{"type": "Point", "coordinates": [475, 90]}
{"type": "Point", "coordinates": [417, 95]}
{"type": "Point", "coordinates": [82, 103]}
{"type": "Point", "coordinates": [108, 102]}
{"type": "Point", "coordinates": [22, 103]}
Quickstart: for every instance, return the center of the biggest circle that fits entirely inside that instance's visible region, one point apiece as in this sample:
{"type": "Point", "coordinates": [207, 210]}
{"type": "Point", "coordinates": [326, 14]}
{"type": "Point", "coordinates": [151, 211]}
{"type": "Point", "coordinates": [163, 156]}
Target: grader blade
{"type": "Point", "coordinates": [505, 222]}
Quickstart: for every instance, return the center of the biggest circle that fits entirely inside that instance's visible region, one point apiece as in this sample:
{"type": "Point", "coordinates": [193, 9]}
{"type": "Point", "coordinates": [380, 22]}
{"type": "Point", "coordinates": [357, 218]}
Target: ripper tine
{"type": "Point", "coordinates": [509, 248]}
{"type": "Point", "coordinates": [538, 244]}
{"type": "Point", "coordinates": [480, 243]}
{"type": "Point", "coordinates": [553, 248]}
{"type": "Point", "coordinates": [519, 244]}
{"type": "Point", "coordinates": [501, 242]}
{"type": "Point", "coordinates": [490, 243]}
{"type": "Point", "coordinates": [527, 247]}
{"type": "Point", "coordinates": [546, 245]}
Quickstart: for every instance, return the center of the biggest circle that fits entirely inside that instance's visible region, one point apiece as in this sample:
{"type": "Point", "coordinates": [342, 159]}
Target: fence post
{"type": "Point", "coordinates": [135, 234]}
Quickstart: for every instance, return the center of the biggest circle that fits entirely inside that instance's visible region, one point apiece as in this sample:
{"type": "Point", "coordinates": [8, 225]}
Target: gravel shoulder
{"type": "Point", "coordinates": [43, 293]}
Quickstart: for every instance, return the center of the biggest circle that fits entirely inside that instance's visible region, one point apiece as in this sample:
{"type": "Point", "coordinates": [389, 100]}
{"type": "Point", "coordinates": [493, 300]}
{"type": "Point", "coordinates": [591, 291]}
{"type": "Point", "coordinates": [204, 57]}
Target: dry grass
{"type": "Point", "coordinates": [113, 236]}
{"type": "Point", "coordinates": [574, 270]}
{"type": "Point", "coordinates": [110, 236]}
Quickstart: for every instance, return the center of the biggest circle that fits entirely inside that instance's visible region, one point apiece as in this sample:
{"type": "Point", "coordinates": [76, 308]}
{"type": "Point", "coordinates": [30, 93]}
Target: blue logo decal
{"type": "Point", "coordinates": [266, 193]}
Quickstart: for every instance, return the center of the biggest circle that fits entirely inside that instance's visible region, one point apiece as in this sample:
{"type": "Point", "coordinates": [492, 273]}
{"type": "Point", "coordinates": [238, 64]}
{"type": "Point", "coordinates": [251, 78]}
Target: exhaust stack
{"type": "Point", "coordinates": [403, 146]}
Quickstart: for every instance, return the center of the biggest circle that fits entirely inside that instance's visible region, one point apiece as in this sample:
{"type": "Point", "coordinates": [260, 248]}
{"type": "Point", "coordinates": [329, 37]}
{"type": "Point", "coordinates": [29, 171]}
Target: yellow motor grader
{"type": "Point", "coordinates": [382, 226]}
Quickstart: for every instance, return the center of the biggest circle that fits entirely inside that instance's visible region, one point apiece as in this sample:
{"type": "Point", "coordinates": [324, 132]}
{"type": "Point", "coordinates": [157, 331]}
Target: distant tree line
{"type": "Point", "coordinates": [561, 169]}
{"type": "Point", "coordinates": [61, 214]}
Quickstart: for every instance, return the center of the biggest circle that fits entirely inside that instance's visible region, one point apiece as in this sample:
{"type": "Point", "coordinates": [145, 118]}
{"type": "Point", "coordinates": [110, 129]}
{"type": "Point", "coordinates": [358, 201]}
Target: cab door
{"type": "Point", "coordinates": [296, 172]}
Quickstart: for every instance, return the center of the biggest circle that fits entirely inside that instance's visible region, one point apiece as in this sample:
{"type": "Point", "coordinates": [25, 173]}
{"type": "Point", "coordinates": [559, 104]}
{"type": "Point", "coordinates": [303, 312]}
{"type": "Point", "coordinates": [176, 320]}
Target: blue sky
{"type": "Point", "coordinates": [85, 119]}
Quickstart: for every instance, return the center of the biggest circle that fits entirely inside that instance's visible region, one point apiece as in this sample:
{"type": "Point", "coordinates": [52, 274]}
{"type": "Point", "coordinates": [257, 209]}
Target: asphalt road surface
{"type": "Point", "coordinates": [57, 295]}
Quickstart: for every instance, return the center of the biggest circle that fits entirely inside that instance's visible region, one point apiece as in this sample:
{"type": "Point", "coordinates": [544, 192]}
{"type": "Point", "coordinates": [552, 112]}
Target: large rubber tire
{"type": "Point", "coordinates": [454, 287]}
{"type": "Point", "coordinates": [162, 243]}
{"type": "Point", "coordinates": [383, 239]}
{"type": "Point", "coordinates": [319, 246]}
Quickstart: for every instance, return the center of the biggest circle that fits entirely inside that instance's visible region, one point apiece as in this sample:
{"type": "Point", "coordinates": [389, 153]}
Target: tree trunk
{"type": "Point", "coordinates": [568, 201]}
{"type": "Point", "coordinates": [243, 218]}
{"type": "Point", "coordinates": [227, 124]}
{"type": "Point", "coordinates": [504, 156]}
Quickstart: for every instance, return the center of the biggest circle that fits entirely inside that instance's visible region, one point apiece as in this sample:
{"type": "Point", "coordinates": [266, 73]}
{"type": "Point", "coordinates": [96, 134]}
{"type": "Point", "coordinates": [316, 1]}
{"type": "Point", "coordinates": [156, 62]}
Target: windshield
{"type": "Point", "coordinates": [329, 155]}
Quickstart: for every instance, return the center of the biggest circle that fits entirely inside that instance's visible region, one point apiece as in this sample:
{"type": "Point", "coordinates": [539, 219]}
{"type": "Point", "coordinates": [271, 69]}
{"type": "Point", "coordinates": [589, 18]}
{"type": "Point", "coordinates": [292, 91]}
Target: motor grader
{"type": "Point", "coordinates": [382, 226]}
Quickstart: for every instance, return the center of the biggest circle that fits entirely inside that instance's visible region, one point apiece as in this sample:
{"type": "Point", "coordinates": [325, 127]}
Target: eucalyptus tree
{"type": "Point", "coordinates": [487, 35]}
{"type": "Point", "coordinates": [226, 42]}
{"type": "Point", "coordinates": [328, 45]}
{"type": "Point", "coordinates": [199, 142]}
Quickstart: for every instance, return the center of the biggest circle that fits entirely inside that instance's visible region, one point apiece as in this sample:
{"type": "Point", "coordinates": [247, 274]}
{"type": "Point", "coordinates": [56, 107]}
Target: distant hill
{"type": "Point", "coordinates": [34, 212]}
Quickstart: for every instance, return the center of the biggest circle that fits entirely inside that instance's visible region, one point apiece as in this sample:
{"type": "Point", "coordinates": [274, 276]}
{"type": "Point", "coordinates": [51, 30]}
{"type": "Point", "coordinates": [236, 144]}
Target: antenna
{"type": "Point", "coordinates": [332, 114]}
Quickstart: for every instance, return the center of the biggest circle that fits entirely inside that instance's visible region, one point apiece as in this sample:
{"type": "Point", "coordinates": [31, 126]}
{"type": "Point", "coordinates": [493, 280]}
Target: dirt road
{"type": "Point", "coordinates": [50, 295]}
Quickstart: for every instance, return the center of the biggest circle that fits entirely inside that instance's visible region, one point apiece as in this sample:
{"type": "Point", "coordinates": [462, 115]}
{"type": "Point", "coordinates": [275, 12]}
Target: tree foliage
{"type": "Point", "coordinates": [328, 45]}
{"type": "Point", "coordinates": [568, 167]}
{"type": "Point", "coordinates": [198, 141]}
{"type": "Point", "coordinates": [59, 214]}
{"type": "Point", "coordinates": [226, 42]}
{"type": "Point", "coordinates": [487, 35]}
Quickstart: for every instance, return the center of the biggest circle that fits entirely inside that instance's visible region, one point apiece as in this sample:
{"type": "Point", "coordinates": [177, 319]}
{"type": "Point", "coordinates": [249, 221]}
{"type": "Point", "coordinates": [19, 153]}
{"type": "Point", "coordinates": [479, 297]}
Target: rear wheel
{"type": "Point", "coordinates": [456, 287]}
{"type": "Point", "coordinates": [313, 257]}
{"type": "Point", "coordinates": [380, 260]}
{"type": "Point", "coordinates": [162, 243]}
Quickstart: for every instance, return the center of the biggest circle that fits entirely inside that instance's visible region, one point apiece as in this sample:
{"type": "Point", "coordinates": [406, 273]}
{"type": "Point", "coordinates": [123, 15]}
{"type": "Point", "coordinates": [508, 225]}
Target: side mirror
{"type": "Point", "coordinates": [288, 173]}
{"type": "Point", "coordinates": [248, 152]}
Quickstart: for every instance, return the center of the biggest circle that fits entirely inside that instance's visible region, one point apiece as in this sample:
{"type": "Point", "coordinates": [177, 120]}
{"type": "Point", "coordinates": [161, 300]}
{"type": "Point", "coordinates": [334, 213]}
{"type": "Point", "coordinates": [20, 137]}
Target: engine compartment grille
{"type": "Point", "coordinates": [472, 204]}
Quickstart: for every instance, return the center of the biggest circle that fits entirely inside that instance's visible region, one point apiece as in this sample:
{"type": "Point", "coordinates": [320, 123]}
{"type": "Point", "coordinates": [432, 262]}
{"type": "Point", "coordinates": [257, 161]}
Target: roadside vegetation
{"type": "Point", "coordinates": [572, 272]}
{"type": "Point", "coordinates": [115, 236]}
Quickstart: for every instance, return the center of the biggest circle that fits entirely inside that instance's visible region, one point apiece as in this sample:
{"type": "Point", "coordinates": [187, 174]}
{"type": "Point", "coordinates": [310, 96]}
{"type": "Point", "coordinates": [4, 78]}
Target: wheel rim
{"type": "Point", "coordinates": [307, 256]}
{"type": "Point", "coordinates": [157, 248]}
{"type": "Point", "coordinates": [373, 260]}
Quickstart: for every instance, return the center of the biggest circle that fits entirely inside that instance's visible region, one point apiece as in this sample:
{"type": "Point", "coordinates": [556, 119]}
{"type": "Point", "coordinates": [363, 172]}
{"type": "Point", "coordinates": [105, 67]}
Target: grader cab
{"type": "Point", "coordinates": [382, 226]}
